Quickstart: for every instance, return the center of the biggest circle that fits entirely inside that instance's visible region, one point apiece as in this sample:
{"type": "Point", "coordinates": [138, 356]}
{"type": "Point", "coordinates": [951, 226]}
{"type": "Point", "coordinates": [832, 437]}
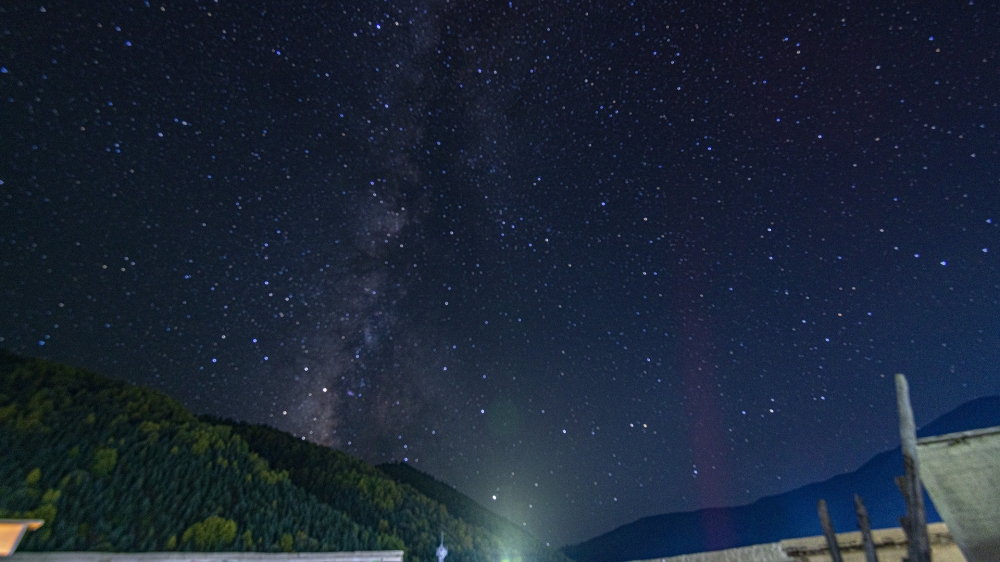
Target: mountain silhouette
{"type": "Point", "coordinates": [782, 516]}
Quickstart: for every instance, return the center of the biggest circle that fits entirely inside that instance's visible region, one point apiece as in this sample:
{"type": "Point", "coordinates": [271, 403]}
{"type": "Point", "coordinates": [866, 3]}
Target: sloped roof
{"type": "Point", "coordinates": [961, 472]}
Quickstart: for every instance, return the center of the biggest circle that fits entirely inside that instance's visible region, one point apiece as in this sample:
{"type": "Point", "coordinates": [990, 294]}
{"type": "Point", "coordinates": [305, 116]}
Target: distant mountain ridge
{"type": "Point", "coordinates": [788, 515]}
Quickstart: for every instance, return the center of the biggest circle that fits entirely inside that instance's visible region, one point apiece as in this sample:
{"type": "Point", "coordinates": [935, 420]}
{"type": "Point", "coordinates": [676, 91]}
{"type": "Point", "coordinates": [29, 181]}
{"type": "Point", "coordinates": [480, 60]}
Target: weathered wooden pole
{"type": "Point", "coordinates": [914, 523]}
{"type": "Point", "coordinates": [828, 532]}
{"type": "Point", "coordinates": [866, 530]}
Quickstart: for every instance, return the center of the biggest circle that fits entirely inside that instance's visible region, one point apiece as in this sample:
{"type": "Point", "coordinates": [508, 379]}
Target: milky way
{"type": "Point", "coordinates": [586, 262]}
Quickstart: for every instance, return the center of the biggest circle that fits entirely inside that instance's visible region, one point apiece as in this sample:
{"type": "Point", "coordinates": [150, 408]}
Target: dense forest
{"type": "Point", "coordinates": [115, 467]}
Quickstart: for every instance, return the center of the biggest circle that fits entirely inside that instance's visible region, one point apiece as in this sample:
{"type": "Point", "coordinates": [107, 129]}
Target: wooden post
{"type": "Point", "coordinates": [831, 536]}
{"type": "Point", "coordinates": [914, 523]}
{"type": "Point", "coordinates": [866, 530]}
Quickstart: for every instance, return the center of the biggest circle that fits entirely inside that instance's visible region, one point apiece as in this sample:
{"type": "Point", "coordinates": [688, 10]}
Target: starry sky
{"type": "Point", "coordinates": [585, 261]}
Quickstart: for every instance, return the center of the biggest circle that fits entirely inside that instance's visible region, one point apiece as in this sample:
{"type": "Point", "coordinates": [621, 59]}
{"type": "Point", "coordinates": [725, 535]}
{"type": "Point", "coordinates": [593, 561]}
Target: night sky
{"type": "Point", "coordinates": [585, 261]}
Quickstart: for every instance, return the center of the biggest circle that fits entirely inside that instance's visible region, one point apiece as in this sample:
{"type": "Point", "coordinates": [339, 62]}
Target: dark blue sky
{"type": "Point", "coordinates": [585, 261]}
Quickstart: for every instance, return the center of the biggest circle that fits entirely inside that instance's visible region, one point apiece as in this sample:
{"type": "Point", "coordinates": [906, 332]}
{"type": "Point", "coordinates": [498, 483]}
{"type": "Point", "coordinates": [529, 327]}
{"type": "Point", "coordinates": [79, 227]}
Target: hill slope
{"type": "Point", "coordinates": [463, 507]}
{"type": "Point", "coordinates": [787, 515]}
{"type": "Point", "coordinates": [115, 467]}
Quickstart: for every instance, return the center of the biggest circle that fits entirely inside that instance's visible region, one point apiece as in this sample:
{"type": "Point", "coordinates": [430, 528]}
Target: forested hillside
{"type": "Point", "coordinates": [463, 507]}
{"type": "Point", "coordinates": [115, 467]}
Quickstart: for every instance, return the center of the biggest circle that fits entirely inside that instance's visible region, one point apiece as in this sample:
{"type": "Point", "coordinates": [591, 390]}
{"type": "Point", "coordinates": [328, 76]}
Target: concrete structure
{"type": "Point", "coordinates": [890, 544]}
{"type": "Point", "coordinates": [13, 530]}
{"type": "Point", "coordinates": [961, 472]}
{"type": "Point", "coordinates": [362, 556]}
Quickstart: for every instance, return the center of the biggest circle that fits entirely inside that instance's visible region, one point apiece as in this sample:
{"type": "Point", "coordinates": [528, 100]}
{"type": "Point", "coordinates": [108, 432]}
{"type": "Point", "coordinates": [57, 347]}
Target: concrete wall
{"type": "Point", "coordinates": [369, 556]}
{"type": "Point", "coordinates": [890, 544]}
